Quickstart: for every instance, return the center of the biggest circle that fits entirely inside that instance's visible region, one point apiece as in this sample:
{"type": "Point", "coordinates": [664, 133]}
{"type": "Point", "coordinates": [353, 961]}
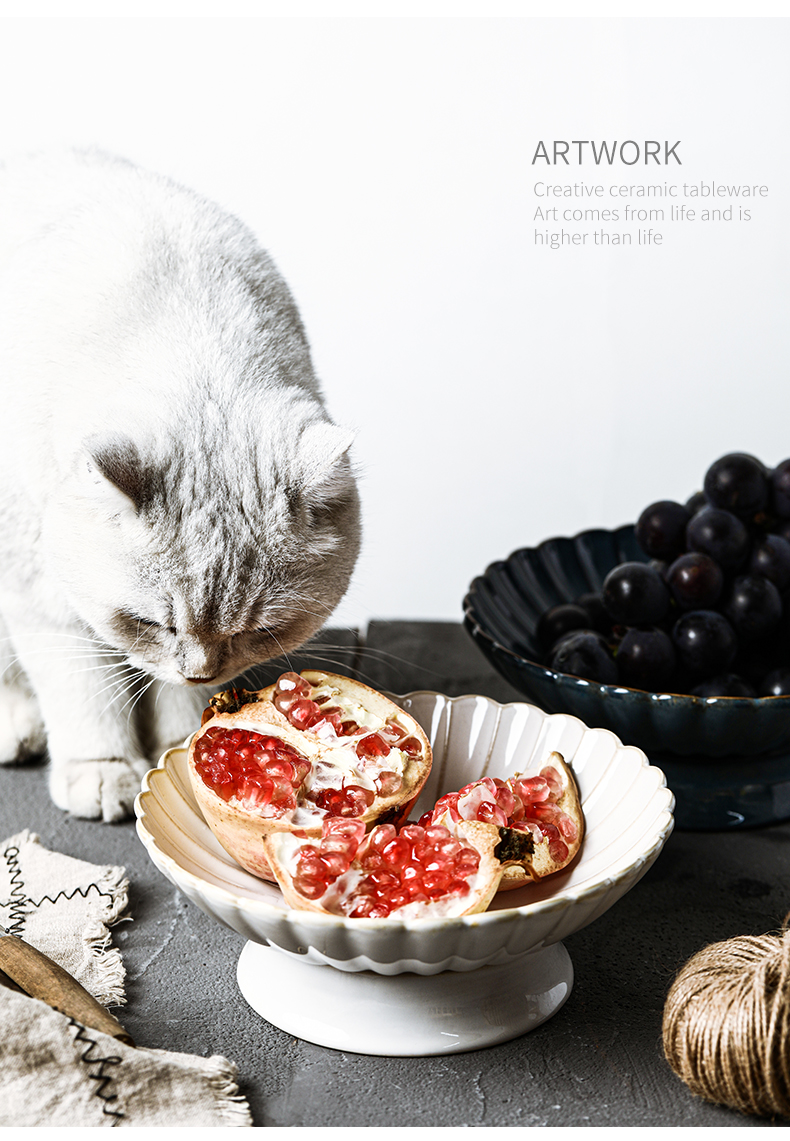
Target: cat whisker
{"type": "Point", "coordinates": [134, 697]}
{"type": "Point", "coordinates": [118, 692]}
{"type": "Point", "coordinates": [274, 638]}
{"type": "Point", "coordinates": [118, 684]}
{"type": "Point", "coordinates": [93, 643]}
{"type": "Point", "coordinates": [119, 668]}
{"type": "Point", "coordinates": [373, 652]}
{"type": "Point", "coordinates": [344, 666]}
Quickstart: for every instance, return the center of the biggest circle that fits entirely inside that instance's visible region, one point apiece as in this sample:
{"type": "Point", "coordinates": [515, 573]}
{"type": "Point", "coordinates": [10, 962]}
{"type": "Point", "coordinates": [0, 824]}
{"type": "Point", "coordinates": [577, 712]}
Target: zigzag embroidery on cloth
{"type": "Point", "coordinates": [19, 899]}
{"type": "Point", "coordinates": [103, 1080]}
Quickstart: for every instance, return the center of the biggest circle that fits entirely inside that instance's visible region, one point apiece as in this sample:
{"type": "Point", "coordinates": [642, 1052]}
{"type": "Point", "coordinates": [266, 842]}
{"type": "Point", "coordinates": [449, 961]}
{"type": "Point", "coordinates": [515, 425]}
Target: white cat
{"type": "Point", "coordinates": [175, 504]}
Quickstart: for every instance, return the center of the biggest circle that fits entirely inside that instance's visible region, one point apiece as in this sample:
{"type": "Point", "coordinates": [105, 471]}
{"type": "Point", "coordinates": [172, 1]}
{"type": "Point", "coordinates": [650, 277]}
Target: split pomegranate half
{"type": "Point", "coordinates": [311, 747]}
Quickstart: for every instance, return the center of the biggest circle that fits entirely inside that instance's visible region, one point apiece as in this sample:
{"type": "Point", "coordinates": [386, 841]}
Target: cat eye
{"type": "Point", "coordinates": [137, 618]}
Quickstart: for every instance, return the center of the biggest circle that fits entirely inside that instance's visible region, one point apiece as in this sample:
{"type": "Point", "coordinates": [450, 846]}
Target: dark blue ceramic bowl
{"type": "Point", "coordinates": [704, 741]}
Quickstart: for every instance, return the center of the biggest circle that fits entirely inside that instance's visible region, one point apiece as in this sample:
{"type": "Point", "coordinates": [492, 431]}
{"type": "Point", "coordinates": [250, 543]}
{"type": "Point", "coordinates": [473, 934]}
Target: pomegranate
{"type": "Point", "coordinates": [546, 805]}
{"type": "Point", "coordinates": [310, 747]}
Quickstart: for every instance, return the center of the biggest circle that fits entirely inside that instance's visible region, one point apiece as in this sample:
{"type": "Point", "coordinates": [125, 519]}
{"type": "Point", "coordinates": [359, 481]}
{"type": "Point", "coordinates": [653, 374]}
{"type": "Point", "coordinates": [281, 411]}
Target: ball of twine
{"type": "Point", "coordinates": [726, 1028]}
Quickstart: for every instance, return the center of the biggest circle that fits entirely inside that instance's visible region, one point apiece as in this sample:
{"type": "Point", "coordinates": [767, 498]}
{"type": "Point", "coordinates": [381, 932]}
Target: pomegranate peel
{"type": "Point", "coordinates": [311, 746]}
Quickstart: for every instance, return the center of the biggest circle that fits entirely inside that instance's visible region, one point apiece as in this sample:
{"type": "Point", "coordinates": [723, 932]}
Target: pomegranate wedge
{"type": "Point", "coordinates": [310, 747]}
{"type": "Point", "coordinates": [544, 805]}
{"type": "Point", "coordinates": [408, 874]}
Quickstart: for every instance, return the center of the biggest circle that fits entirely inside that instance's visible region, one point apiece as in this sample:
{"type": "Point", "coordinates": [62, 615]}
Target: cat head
{"type": "Point", "coordinates": [202, 556]}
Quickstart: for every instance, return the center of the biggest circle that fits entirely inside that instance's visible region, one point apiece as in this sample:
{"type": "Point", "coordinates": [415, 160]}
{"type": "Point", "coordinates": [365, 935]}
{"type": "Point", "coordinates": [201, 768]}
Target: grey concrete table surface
{"type": "Point", "coordinates": [597, 1062]}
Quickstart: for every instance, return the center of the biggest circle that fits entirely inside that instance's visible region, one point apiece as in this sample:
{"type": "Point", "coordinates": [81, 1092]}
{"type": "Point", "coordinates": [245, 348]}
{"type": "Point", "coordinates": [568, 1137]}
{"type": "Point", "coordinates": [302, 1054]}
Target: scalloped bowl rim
{"type": "Point", "coordinates": [660, 830]}
{"type": "Point", "coordinates": [571, 680]}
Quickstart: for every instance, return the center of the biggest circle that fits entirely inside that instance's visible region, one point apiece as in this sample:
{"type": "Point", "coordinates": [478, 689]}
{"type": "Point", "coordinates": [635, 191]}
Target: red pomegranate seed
{"type": "Point", "coordinates": [289, 689]}
{"type": "Point", "coordinates": [567, 827]}
{"type": "Point", "coordinates": [382, 879]}
{"type": "Point", "coordinates": [278, 769]}
{"type": "Point", "coordinates": [411, 746]}
{"type": "Point", "coordinates": [336, 863]}
{"type": "Point", "coordinates": [373, 745]}
{"type": "Point", "coordinates": [435, 883]}
{"type": "Point", "coordinates": [293, 683]}
{"type": "Point", "coordinates": [310, 888]}
{"type": "Point", "coordinates": [532, 789]}
{"type": "Point", "coordinates": [467, 863]}
{"type": "Point", "coordinates": [458, 887]}
{"type": "Point", "coordinates": [304, 713]}
{"type": "Point", "coordinates": [351, 831]}
{"type": "Point", "coordinates": [505, 798]}
{"type": "Point", "coordinates": [368, 909]}
{"type": "Point", "coordinates": [391, 732]}
{"type": "Point", "coordinates": [332, 714]}
{"type": "Point", "coordinates": [255, 793]}
{"type": "Point", "coordinates": [388, 783]}
{"type": "Point", "coordinates": [553, 780]}
{"type": "Point", "coordinates": [397, 852]}
{"type": "Point", "coordinates": [380, 837]}
{"type": "Point", "coordinates": [557, 847]}
{"type": "Point", "coordinates": [492, 814]}
{"type": "Point", "coordinates": [544, 812]}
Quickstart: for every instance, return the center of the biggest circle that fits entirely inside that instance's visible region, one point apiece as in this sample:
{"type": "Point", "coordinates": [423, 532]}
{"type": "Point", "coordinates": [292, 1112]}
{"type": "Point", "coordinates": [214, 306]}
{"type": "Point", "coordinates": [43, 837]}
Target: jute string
{"type": "Point", "coordinates": [726, 1026]}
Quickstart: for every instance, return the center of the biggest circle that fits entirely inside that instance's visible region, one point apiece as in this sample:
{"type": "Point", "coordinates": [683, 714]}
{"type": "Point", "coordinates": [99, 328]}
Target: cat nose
{"type": "Point", "coordinates": [198, 662]}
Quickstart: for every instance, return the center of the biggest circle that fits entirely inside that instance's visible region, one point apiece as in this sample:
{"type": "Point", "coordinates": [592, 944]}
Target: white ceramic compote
{"type": "Point", "coordinates": [427, 986]}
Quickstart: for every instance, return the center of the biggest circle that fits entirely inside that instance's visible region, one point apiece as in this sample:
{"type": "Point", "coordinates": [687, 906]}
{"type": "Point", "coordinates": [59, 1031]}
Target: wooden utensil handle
{"type": "Point", "coordinates": [37, 975]}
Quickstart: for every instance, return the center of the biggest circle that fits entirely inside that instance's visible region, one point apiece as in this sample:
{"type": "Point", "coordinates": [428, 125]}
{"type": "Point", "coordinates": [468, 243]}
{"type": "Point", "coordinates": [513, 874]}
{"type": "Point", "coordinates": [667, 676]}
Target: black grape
{"type": "Point", "coordinates": [708, 607]}
{"type": "Point", "coordinates": [738, 483]}
{"type": "Point", "coordinates": [705, 642]}
{"type": "Point", "coordinates": [646, 659]}
{"type": "Point", "coordinates": [661, 529]}
{"type": "Point", "coordinates": [770, 558]}
{"type": "Point", "coordinates": [635, 595]}
{"type": "Point", "coordinates": [696, 502]}
{"type": "Point", "coordinates": [753, 606]}
{"type": "Point", "coordinates": [584, 653]}
{"type": "Point", "coordinates": [780, 490]}
{"type": "Point", "coordinates": [592, 604]}
{"type": "Point", "coordinates": [719, 534]}
{"type": "Point", "coordinates": [725, 685]}
{"type": "Point", "coordinates": [696, 581]}
{"type": "Point", "coordinates": [560, 620]}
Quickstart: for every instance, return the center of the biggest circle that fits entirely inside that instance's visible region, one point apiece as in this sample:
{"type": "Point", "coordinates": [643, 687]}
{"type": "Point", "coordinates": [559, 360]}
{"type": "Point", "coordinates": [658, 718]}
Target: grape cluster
{"type": "Point", "coordinates": [709, 614]}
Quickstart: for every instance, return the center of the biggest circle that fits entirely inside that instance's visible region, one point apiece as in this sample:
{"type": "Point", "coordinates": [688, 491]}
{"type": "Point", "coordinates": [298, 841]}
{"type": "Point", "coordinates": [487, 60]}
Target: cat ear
{"type": "Point", "coordinates": [325, 467]}
{"type": "Point", "coordinates": [113, 468]}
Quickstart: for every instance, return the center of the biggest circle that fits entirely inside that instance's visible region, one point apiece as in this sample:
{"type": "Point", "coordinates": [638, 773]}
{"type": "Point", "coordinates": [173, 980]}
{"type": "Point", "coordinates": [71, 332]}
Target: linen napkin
{"type": "Point", "coordinates": [55, 1071]}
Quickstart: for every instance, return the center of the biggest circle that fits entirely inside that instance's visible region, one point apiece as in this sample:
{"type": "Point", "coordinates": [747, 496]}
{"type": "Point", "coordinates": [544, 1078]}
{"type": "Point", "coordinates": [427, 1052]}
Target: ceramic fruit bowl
{"type": "Point", "coordinates": [727, 759]}
{"type": "Point", "coordinates": [516, 972]}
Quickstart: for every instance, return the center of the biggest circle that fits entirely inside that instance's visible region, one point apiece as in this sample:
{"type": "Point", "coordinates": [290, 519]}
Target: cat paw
{"type": "Point", "coordinates": [97, 790]}
{"type": "Point", "coordinates": [22, 734]}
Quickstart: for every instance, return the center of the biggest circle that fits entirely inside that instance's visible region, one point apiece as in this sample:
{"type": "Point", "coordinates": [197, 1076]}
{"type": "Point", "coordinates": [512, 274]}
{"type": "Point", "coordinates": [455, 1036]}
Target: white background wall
{"type": "Point", "coordinates": [502, 392]}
